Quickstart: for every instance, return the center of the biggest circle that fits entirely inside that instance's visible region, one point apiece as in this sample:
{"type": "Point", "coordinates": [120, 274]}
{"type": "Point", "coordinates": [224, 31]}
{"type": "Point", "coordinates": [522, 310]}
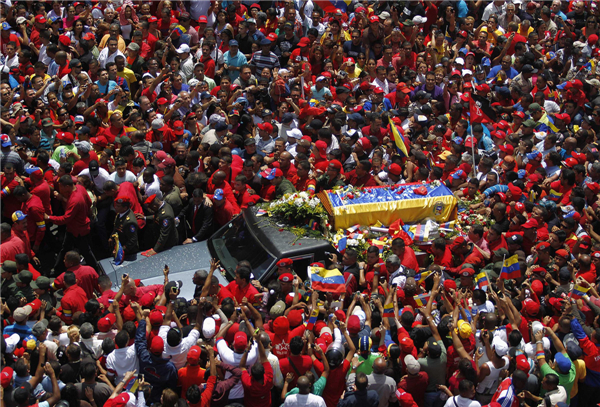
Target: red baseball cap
{"type": "Point", "coordinates": [374, 19]}
{"type": "Point", "coordinates": [240, 340]}
{"type": "Point", "coordinates": [286, 277]}
{"type": "Point", "coordinates": [106, 322]}
{"type": "Point", "coordinates": [157, 345]}
{"type": "Point", "coordinates": [194, 353]}
{"type": "Point", "coordinates": [178, 128]}
{"type": "Point", "coordinates": [268, 127]}
{"type": "Point", "coordinates": [156, 317]}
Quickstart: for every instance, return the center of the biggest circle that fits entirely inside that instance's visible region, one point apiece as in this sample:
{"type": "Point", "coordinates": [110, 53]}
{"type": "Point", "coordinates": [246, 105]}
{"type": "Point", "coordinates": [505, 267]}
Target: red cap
{"type": "Point", "coordinates": [531, 224]}
{"type": "Point", "coordinates": [286, 277]}
{"type": "Point", "coordinates": [467, 272]}
{"type": "Point", "coordinates": [106, 322]}
{"type": "Point", "coordinates": [531, 307]}
{"type": "Point", "coordinates": [122, 199]}
{"type": "Point", "coordinates": [6, 376]}
{"type": "Point", "coordinates": [240, 340]}
{"type": "Point", "coordinates": [89, 36]}
{"type": "Point", "coordinates": [64, 40]}
{"type": "Point", "coordinates": [519, 114]}
{"type": "Point", "coordinates": [178, 128]}
{"type": "Point", "coordinates": [564, 254]}
{"type": "Point", "coordinates": [508, 149]}
{"type": "Point", "coordinates": [593, 186]}
{"type": "Point", "coordinates": [320, 145]}
{"type": "Point", "coordinates": [285, 262]}
{"type": "Point", "coordinates": [149, 200]}
{"type": "Point", "coordinates": [158, 345]}
{"type": "Point", "coordinates": [406, 344]}
{"type": "Point", "coordinates": [162, 101]}
{"type": "Point", "coordinates": [295, 317]}
{"type": "Point", "coordinates": [99, 141]}
{"type": "Point", "coordinates": [153, 19]}
{"type": "Point", "coordinates": [395, 169]}
{"type": "Point", "coordinates": [268, 127]}
{"type": "Point", "coordinates": [364, 142]}
{"type": "Point", "coordinates": [541, 245]}
{"type": "Point", "coordinates": [193, 354]}
{"type": "Point", "coordinates": [463, 34]}
{"type": "Point", "coordinates": [484, 87]}
{"type": "Point", "coordinates": [66, 137]}
{"type": "Point", "coordinates": [167, 162]}
{"type": "Point", "coordinates": [353, 324]}
{"type": "Point", "coordinates": [523, 364]}
{"type": "Point", "coordinates": [455, 72]}
{"type": "Point", "coordinates": [156, 317]}
{"type": "Point", "coordinates": [449, 285]}
{"type": "Point", "coordinates": [40, 19]}
{"type": "Point", "coordinates": [564, 117]}
{"type": "Point", "coordinates": [378, 90]}
{"type": "Point", "coordinates": [374, 19]}
{"type": "Point", "coordinates": [335, 164]}
{"type": "Point", "coordinates": [304, 42]}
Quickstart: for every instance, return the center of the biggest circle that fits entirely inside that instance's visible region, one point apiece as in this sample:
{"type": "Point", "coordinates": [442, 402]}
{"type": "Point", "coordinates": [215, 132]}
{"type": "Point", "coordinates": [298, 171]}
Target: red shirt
{"type": "Point", "coordinates": [239, 293]}
{"type": "Point", "coordinates": [336, 383]}
{"type": "Point", "coordinates": [76, 213]}
{"type": "Point", "coordinates": [8, 200]}
{"type": "Point", "coordinates": [73, 301]}
{"type": "Point", "coordinates": [149, 39]}
{"type": "Point", "coordinates": [36, 225]}
{"type": "Point", "coordinates": [303, 364]}
{"type": "Point", "coordinates": [189, 375]}
{"type": "Point", "coordinates": [416, 385]}
{"type": "Point", "coordinates": [281, 343]}
{"type": "Point", "coordinates": [224, 293]}
{"type": "Point", "coordinates": [10, 248]}
{"type": "Point", "coordinates": [366, 180]}
{"type": "Point", "coordinates": [24, 236]}
{"type": "Point", "coordinates": [211, 187]}
{"type": "Point", "coordinates": [84, 163]}
{"type": "Point", "coordinates": [127, 189]}
{"type": "Point", "coordinates": [224, 213]}
{"type": "Point", "coordinates": [380, 134]}
{"type": "Point", "coordinates": [209, 66]}
{"type": "Point", "coordinates": [87, 279]}
{"type": "Point", "coordinates": [257, 394]}
{"type": "Point", "coordinates": [409, 259]}
{"type": "Point", "coordinates": [139, 293]}
{"type": "Point", "coordinates": [445, 260]}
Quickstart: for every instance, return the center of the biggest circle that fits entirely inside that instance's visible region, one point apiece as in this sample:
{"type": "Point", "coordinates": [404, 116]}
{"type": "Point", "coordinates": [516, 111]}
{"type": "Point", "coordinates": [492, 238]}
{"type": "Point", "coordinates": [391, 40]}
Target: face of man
{"type": "Point", "coordinates": [112, 46]}
{"type": "Point", "coordinates": [121, 170]}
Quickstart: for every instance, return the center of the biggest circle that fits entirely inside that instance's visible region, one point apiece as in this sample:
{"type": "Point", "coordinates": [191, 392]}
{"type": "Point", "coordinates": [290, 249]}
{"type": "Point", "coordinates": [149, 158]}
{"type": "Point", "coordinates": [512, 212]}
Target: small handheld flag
{"type": "Point", "coordinates": [481, 281]}
{"type": "Point", "coordinates": [342, 244]}
{"type": "Point", "coordinates": [420, 277]}
{"type": "Point", "coordinates": [511, 268]}
{"type": "Point", "coordinates": [579, 292]}
{"type": "Point", "coordinates": [422, 299]}
{"type": "Point", "coordinates": [312, 319]}
{"type": "Point", "coordinates": [327, 280]}
{"type": "Point", "coordinates": [118, 252]}
{"type": "Point", "coordinates": [180, 30]}
{"type": "Point", "coordinates": [388, 310]}
{"type": "Point", "coordinates": [398, 139]}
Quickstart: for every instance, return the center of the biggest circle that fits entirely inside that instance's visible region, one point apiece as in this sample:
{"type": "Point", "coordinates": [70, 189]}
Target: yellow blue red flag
{"type": "Point", "coordinates": [398, 139]}
{"type": "Point", "coordinates": [327, 280]}
{"type": "Point", "coordinates": [511, 268]}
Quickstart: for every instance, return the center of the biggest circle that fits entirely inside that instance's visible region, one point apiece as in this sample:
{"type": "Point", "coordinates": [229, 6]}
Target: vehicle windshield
{"type": "Point", "coordinates": [236, 243]}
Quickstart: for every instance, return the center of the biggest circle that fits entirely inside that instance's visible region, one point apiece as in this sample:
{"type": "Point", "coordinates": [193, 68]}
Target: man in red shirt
{"type": "Point", "coordinates": [87, 277]}
{"type": "Point", "coordinates": [442, 256]}
{"type": "Point", "coordinates": [296, 363]}
{"type": "Point", "coordinates": [38, 25]}
{"type": "Point", "coordinates": [209, 63]}
{"type": "Point", "coordinates": [33, 208]}
{"type": "Point", "coordinates": [77, 219]}
{"type": "Point", "coordinates": [38, 185]}
{"type": "Point", "coordinates": [11, 244]}
{"type": "Point", "coordinates": [73, 301]}
{"type": "Point", "coordinates": [192, 373]}
{"type": "Point", "coordinates": [85, 151]}
{"type": "Point", "coordinates": [223, 211]}
{"type": "Point", "coordinates": [19, 229]}
{"type": "Point", "coordinates": [241, 287]}
{"type": "Point", "coordinates": [361, 175]}
{"type": "Point", "coordinates": [281, 336]}
{"type": "Point", "coordinates": [258, 383]}
{"type": "Point", "coordinates": [336, 382]}
{"type": "Point", "coordinates": [406, 254]}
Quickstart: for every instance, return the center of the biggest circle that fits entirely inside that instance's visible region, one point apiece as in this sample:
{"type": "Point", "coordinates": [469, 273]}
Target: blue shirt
{"type": "Point", "coordinates": [511, 73]}
{"type": "Point", "coordinates": [387, 105]}
{"type": "Point", "coordinates": [238, 60]}
{"type": "Point", "coordinates": [22, 330]}
{"type": "Point", "coordinates": [105, 89]}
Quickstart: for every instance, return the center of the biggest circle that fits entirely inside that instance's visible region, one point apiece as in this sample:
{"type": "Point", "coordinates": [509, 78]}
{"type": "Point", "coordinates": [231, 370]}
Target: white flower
{"type": "Point", "coordinates": [352, 242]}
{"type": "Point", "coordinates": [303, 194]}
{"type": "Point", "coordinates": [298, 202]}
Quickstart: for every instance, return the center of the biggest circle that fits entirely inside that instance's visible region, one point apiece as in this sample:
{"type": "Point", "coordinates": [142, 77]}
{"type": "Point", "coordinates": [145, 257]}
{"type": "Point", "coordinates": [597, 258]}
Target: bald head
{"type": "Point", "coordinates": [303, 385]}
{"type": "Point", "coordinates": [379, 365]}
{"type": "Point", "coordinates": [585, 260]}
{"type": "Point", "coordinates": [130, 288]}
{"type": "Point", "coordinates": [219, 177]}
{"type": "Point", "coordinates": [265, 339]}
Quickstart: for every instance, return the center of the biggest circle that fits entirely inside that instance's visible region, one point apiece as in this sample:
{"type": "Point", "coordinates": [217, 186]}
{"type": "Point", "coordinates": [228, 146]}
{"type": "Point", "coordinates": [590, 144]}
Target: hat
{"type": "Point", "coordinates": [395, 169]}
{"type": "Point", "coordinates": [564, 117]}
{"type": "Point", "coordinates": [193, 354]}
{"type": "Point", "coordinates": [374, 19]}
{"type": "Point", "coordinates": [40, 19]}
{"type": "Point", "coordinates": [353, 325]}
{"type": "Point", "coordinates": [531, 224]}
{"type": "Point", "coordinates": [365, 343]}
{"type": "Point", "coordinates": [534, 108]}
{"type": "Point", "coordinates": [18, 216]}
{"type": "Point", "coordinates": [484, 87]}
{"type": "Point", "coordinates": [335, 165]}
{"type": "Point", "coordinates": [507, 148]}
{"type": "Point", "coordinates": [272, 173]}
{"type": "Point", "coordinates": [515, 239]}
{"type": "Point", "coordinates": [24, 277]}
{"type": "Point", "coordinates": [41, 283]}
{"type": "Point", "coordinates": [268, 127]}
{"type": "Point", "coordinates": [64, 40]}
{"type": "Point", "coordinates": [5, 139]}
{"type": "Point", "coordinates": [240, 340]}
{"type": "Point", "coordinates": [542, 246]}
{"type": "Point", "coordinates": [464, 329]}
{"type": "Point", "coordinates": [499, 346]}
{"type": "Point", "coordinates": [286, 278]}
{"type": "Point", "coordinates": [277, 309]}
{"type": "Point", "coordinates": [106, 322]}
{"type": "Point", "coordinates": [294, 133]}
{"type": "Point", "coordinates": [209, 327]}
{"type": "Point", "coordinates": [250, 141]}
{"type": "Point", "coordinates": [264, 41]}
{"type": "Point", "coordinates": [133, 47]}
{"type": "Point", "coordinates": [412, 365]}
{"type": "Point", "coordinates": [156, 317]}
{"type": "Point", "coordinates": [184, 48]}
{"type": "Point", "coordinates": [467, 272]}
{"type": "Point", "coordinates": [459, 61]}
{"type": "Point", "coordinates": [167, 162]}
{"type": "Point", "coordinates": [434, 348]}
{"type": "Point", "coordinates": [157, 345]}
{"type": "Point", "coordinates": [285, 262]}
{"type": "Point", "coordinates": [22, 313]}
{"type": "Point", "coordinates": [534, 155]}
{"type": "Point", "coordinates": [519, 114]}
{"type": "Point", "coordinates": [564, 254]}
{"type": "Point", "coordinates": [531, 307]}
{"type": "Point", "coordinates": [563, 362]}
{"type": "Point", "coordinates": [9, 266]}
{"type": "Point", "coordinates": [528, 69]}
{"type": "Point", "coordinates": [219, 194]}
{"type": "Point", "coordinates": [6, 376]}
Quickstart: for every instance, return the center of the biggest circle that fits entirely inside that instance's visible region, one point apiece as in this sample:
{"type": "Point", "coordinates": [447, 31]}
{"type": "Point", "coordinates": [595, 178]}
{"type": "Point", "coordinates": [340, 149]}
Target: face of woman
{"type": "Point", "coordinates": [71, 11]}
{"type": "Point", "coordinates": [371, 65]}
{"type": "Point", "coordinates": [222, 17]}
{"type": "Point", "coordinates": [128, 12]}
{"type": "Point", "coordinates": [78, 26]}
{"type": "Point", "coordinates": [318, 55]}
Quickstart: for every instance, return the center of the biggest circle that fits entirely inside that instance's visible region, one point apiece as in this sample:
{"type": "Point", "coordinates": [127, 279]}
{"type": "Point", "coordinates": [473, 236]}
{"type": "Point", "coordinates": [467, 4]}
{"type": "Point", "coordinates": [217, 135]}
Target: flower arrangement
{"type": "Point", "coordinates": [298, 209]}
{"type": "Point", "coordinates": [470, 218]}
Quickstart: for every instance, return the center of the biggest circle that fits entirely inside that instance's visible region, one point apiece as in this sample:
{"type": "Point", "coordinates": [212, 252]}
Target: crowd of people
{"type": "Point", "coordinates": [136, 126]}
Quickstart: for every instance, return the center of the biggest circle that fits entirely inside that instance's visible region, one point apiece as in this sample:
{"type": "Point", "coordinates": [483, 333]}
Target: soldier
{"type": "Point", "coordinates": [126, 226]}
{"type": "Point", "coordinates": [22, 288]}
{"type": "Point", "coordinates": [165, 219]}
{"type": "Point", "coordinates": [282, 185]}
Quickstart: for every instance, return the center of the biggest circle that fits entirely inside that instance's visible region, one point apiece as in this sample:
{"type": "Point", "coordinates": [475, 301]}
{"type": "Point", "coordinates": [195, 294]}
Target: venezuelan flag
{"type": "Point", "coordinates": [578, 291]}
{"type": "Point", "coordinates": [180, 29]}
{"type": "Point", "coordinates": [398, 139]}
{"type": "Point", "coordinates": [342, 244]}
{"type": "Point", "coordinates": [329, 6]}
{"type": "Point", "coordinates": [118, 252]}
{"type": "Point", "coordinates": [312, 319]}
{"type": "Point", "coordinates": [388, 310]}
{"type": "Point", "coordinates": [327, 280]}
{"type": "Point", "coordinates": [422, 299]}
{"type": "Point", "coordinates": [481, 281]}
{"type": "Point", "coordinates": [420, 277]}
{"type": "Point", "coordinates": [555, 195]}
{"type": "Point", "coordinates": [511, 268]}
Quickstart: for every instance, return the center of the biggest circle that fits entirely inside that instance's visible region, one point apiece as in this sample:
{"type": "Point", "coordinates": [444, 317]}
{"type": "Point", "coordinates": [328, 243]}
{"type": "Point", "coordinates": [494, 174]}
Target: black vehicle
{"type": "Point", "coordinates": [257, 239]}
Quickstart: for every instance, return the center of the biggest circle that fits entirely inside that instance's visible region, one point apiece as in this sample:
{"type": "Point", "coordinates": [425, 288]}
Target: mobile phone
{"type": "Point", "coordinates": [238, 309]}
{"type": "Point", "coordinates": [125, 275]}
{"type": "Point", "coordinates": [141, 377]}
{"type": "Point", "coordinates": [312, 345]}
{"type": "Point", "coordinates": [166, 266]}
{"type": "Point", "coordinates": [110, 300]}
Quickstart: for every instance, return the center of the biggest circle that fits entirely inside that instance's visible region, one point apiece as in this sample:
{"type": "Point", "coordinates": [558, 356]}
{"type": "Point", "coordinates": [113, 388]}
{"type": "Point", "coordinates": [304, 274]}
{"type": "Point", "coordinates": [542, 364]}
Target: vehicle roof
{"type": "Point", "coordinates": [277, 240]}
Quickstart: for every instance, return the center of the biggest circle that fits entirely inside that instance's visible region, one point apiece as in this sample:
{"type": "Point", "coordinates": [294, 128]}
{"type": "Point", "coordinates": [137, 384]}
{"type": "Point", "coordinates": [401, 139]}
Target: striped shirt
{"type": "Point", "coordinates": [265, 61]}
{"type": "Point", "coordinates": [505, 394]}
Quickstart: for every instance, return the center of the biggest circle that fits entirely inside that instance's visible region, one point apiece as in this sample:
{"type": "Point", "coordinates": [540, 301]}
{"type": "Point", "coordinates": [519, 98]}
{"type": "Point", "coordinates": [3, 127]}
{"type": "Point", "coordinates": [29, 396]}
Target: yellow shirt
{"type": "Point", "coordinates": [122, 46]}
{"type": "Point", "coordinates": [353, 75]}
{"type": "Point", "coordinates": [128, 75]}
{"type": "Point", "coordinates": [523, 33]}
{"type": "Point", "coordinates": [580, 374]}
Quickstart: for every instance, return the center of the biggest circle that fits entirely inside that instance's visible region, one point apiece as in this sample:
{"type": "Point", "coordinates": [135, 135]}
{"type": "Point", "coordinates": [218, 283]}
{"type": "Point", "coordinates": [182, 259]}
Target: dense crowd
{"type": "Point", "coordinates": [149, 124]}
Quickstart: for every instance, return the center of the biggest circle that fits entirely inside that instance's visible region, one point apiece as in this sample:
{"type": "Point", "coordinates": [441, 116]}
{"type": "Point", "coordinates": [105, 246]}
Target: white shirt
{"type": "Point", "coordinates": [178, 354]}
{"type": "Point", "coordinates": [100, 179]}
{"type": "Point", "coordinates": [94, 345]}
{"type": "Point", "coordinates": [277, 376]}
{"type": "Point", "coordinates": [121, 361]}
{"type": "Point", "coordinates": [129, 177]}
{"type": "Point", "coordinates": [230, 357]}
{"type": "Point", "coordinates": [304, 400]}
{"type": "Point", "coordinates": [104, 58]}
{"type": "Point", "coordinates": [556, 396]}
{"type": "Point", "coordinates": [153, 188]}
{"type": "Point", "coordinates": [458, 401]}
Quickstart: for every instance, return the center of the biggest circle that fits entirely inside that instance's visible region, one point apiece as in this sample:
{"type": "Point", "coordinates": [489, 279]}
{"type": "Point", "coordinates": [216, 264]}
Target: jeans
{"type": "Point", "coordinates": [432, 399]}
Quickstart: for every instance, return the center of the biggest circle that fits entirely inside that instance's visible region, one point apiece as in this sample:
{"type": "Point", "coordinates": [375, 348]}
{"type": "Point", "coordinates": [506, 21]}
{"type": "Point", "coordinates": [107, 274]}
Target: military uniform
{"type": "Point", "coordinates": [173, 198]}
{"type": "Point", "coordinates": [165, 219]}
{"type": "Point", "coordinates": [324, 183]}
{"type": "Point", "coordinates": [126, 227]}
{"type": "Point", "coordinates": [285, 187]}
